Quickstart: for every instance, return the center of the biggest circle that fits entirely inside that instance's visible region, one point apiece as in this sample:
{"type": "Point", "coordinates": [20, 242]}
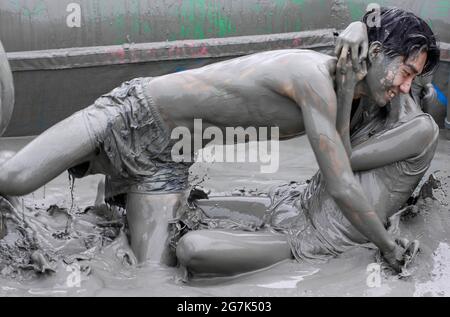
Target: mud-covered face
{"type": "Point", "coordinates": [387, 77]}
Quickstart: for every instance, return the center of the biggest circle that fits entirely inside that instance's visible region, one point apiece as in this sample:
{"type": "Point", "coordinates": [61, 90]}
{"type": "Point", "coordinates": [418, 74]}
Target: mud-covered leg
{"type": "Point", "coordinates": [223, 253]}
{"type": "Point", "coordinates": [62, 146]}
{"type": "Point", "coordinates": [148, 216]}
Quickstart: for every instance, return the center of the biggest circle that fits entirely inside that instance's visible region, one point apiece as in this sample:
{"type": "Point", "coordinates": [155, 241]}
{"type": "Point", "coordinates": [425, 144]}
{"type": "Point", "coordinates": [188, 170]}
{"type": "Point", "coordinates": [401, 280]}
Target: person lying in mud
{"type": "Point", "coordinates": [303, 220]}
{"type": "Point", "coordinates": [125, 134]}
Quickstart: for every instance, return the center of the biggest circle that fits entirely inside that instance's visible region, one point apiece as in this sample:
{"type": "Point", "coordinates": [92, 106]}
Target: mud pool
{"type": "Point", "coordinates": [71, 251]}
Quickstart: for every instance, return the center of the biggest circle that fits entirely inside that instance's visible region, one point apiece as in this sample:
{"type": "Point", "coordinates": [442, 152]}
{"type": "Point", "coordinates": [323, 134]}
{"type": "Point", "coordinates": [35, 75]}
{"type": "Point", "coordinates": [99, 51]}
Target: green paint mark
{"type": "Point", "coordinates": [146, 28]}
{"type": "Point", "coordinates": [199, 22]}
{"type": "Point", "coordinates": [357, 10]}
{"type": "Point", "coordinates": [281, 15]}
{"type": "Point", "coordinates": [297, 25]}
{"type": "Point", "coordinates": [41, 7]}
{"type": "Point", "coordinates": [298, 2]}
{"type": "Point", "coordinates": [436, 10]}
{"type": "Point", "coordinates": [200, 16]}
{"type": "Point", "coordinates": [297, 19]}
{"type": "Point", "coordinates": [135, 17]}
{"type": "Point", "coordinates": [36, 11]}
{"type": "Point", "coordinates": [26, 12]}
{"type": "Point", "coordinates": [222, 24]}
{"type": "Point", "coordinates": [282, 3]}
{"type": "Point", "coordinates": [119, 23]}
{"type": "Point", "coordinates": [15, 4]}
{"type": "Point", "coordinates": [173, 37]}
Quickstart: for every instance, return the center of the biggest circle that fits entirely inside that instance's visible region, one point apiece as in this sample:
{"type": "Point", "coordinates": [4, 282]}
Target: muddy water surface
{"type": "Point", "coordinates": [89, 253]}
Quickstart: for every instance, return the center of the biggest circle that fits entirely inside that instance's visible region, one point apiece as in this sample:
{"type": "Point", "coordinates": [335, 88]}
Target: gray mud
{"type": "Point", "coordinates": [38, 237]}
{"type": "Point", "coordinates": [53, 246]}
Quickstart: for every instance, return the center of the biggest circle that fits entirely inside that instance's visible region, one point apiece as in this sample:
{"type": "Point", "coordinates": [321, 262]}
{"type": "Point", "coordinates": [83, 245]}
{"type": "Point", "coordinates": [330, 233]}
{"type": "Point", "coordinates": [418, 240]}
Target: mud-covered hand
{"type": "Point", "coordinates": [402, 255]}
{"type": "Point", "coordinates": [395, 258]}
{"type": "Point", "coordinates": [347, 81]}
{"type": "Point", "coordinates": [353, 41]}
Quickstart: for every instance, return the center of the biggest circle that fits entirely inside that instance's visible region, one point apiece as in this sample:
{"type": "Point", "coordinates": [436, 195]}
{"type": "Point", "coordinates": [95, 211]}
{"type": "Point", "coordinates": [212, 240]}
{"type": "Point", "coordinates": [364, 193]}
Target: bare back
{"type": "Point", "coordinates": [247, 91]}
{"type": "Point", "coordinates": [291, 89]}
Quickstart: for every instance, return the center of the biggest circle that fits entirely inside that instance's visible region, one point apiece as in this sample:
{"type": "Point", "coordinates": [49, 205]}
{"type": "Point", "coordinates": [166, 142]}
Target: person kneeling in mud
{"type": "Point", "coordinates": [126, 133]}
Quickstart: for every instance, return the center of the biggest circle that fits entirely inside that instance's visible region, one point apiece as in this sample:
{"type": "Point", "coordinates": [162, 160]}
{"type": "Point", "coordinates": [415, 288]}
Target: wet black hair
{"type": "Point", "coordinates": [402, 33]}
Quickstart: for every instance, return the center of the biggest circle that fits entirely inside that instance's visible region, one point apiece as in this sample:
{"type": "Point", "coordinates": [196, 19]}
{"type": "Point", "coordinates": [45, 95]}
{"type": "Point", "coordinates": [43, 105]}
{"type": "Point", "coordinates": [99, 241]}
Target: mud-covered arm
{"type": "Point", "coordinates": [351, 49]}
{"type": "Point", "coordinates": [346, 83]}
{"type": "Point", "coordinates": [398, 144]}
{"type": "Point", "coordinates": [315, 95]}
{"type": "Point", "coordinates": [345, 91]}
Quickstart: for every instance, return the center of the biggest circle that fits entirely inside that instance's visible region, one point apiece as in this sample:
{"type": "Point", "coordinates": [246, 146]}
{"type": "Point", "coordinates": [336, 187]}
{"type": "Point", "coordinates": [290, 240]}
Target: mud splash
{"type": "Point", "coordinates": [19, 247]}
{"type": "Point", "coordinates": [37, 238]}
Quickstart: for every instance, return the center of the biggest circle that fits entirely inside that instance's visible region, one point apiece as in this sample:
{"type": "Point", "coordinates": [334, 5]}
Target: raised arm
{"type": "Point", "coordinates": [314, 93]}
{"type": "Point", "coordinates": [346, 83]}
{"type": "Point", "coordinates": [351, 49]}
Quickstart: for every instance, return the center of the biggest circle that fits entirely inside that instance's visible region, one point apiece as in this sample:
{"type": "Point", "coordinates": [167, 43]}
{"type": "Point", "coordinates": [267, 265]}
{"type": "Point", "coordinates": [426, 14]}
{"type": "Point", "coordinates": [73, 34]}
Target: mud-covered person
{"type": "Point", "coordinates": [391, 149]}
{"type": "Point", "coordinates": [125, 134]}
{"type": "Point", "coordinates": [302, 220]}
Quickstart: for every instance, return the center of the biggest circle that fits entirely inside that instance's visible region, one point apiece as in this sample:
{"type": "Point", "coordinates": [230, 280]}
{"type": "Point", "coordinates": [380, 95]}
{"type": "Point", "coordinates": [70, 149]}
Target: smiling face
{"type": "Point", "coordinates": [387, 77]}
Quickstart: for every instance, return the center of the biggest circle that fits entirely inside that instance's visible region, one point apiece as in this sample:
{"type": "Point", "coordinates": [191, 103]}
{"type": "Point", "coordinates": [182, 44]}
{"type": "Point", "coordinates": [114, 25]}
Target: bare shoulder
{"type": "Point", "coordinates": [273, 66]}
{"type": "Point", "coordinates": [297, 62]}
{"type": "Point", "coordinates": [298, 74]}
{"type": "Point", "coordinates": [277, 63]}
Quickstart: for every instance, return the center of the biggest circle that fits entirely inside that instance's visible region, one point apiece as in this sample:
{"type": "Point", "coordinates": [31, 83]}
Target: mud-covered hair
{"type": "Point", "coordinates": [402, 33]}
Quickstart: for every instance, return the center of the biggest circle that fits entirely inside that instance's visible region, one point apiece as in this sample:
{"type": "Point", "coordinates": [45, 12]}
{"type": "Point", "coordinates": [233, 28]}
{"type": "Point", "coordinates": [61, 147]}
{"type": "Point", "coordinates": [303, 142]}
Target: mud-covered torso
{"type": "Point", "coordinates": [245, 91]}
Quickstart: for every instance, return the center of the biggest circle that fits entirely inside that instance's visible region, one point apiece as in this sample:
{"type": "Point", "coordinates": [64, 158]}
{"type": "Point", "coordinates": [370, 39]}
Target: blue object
{"type": "Point", "coordinates": [440, 96]}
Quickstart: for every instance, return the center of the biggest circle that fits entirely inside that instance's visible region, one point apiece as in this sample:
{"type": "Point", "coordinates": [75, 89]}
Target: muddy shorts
{"type": "Point", "coordinates": [133, 144]}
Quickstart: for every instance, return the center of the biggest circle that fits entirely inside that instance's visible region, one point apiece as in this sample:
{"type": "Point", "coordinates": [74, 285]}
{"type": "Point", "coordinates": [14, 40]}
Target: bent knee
{"type": "Point", "coordinates": [192, 248]}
